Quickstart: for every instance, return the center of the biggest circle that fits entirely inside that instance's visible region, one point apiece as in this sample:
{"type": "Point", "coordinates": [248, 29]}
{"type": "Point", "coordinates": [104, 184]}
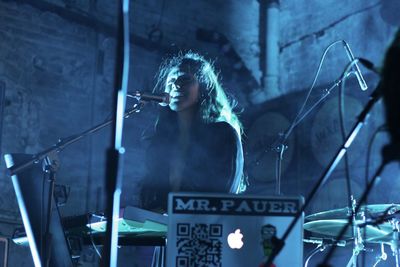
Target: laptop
{"type": "Point", "coordinates": [225, 230]}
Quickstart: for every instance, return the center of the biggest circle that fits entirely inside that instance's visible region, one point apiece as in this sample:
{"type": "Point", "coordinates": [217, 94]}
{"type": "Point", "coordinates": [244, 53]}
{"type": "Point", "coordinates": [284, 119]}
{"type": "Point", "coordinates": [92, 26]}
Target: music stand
{"type": "Point", "coordinates": [32, 196]}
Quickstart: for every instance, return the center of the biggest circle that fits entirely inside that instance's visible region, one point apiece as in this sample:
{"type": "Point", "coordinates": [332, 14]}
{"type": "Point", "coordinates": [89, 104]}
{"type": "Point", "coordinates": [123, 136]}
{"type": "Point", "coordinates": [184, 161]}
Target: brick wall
{"type": "Point", "coordinates": [58, 80]}
{"type": "Point", "coordinates": [308, 29]}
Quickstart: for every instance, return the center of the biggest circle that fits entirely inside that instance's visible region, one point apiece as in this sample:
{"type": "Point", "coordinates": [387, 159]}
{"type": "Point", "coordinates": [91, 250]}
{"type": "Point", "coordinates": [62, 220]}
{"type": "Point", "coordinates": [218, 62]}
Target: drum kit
{"type": "Point", "coordinates": [371, 224]}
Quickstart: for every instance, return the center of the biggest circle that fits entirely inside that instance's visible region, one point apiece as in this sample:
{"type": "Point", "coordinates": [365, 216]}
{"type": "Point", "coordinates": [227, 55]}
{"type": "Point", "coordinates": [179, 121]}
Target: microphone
{"type": "Point", "coordinates": [381, 218]}
{"type": "Point", "coordinates": [360, 78]}
{"type": "Point", "coordinates": [162, 100]}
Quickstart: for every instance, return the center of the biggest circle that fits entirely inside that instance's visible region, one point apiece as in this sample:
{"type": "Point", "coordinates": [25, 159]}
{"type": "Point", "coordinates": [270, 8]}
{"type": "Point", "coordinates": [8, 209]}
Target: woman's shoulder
{"type": "Point", "coordinates": [223, 128]}
{"type": "Point", "coordinates": [219, 133]}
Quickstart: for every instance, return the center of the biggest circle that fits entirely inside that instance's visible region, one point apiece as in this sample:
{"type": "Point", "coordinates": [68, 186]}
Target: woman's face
{"type": "Point", "coordinates": [183, 89]}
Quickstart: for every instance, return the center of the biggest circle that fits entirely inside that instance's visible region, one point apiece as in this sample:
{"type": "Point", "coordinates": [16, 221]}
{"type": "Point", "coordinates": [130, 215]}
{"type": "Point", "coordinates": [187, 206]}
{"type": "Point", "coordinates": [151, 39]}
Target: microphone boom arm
{"type": "Point", "coordinates": [62, 143]}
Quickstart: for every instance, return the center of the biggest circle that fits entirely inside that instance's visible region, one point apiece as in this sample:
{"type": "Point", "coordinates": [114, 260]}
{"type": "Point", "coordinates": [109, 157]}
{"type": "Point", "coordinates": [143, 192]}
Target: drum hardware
{"type": "Point", "coordinates": [322, 244]}
{"type": "Point", "coordinates": [375, 223]}
{"type": "Point", "coordinates": [388, 217]}
{"type": "Point", "coordinates": [373, 211]}
{"type": "Point", "coordinates": [394, 244]}
{"type": "Point", "coordinates": [325, 241]}
{"type": "Point", "coordinates": [333, 227]}
{"type": "Point", "coordinates": [382, 257]}
{"type": "Point", "coordinates": [377, 217]}
{"type": "Point", "coordinates": [357, 235]}
{"type": "Point", "coordinates": [391, 239]}
{"type": "Point", "coordinates": [319, 248]}
{"type": "Point", "coordinates": [361, 119]}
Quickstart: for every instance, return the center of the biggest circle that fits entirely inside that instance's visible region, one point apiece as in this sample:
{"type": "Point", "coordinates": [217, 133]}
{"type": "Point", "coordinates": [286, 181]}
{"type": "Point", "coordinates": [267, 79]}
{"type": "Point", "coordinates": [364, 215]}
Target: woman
{"type": "Point", "coordinates": [196, 146]}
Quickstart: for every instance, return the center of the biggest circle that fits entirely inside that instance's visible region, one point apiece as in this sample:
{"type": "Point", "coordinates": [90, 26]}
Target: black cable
{"type": "Point", "coordinates": [89, 220]}
{"type": "Point", "coordinates": [346, 72]}
{"type": "Point", "coordinates": [343, 134]}
{"type": "Point", "coordinates": [319, 248]}
{"type": "Point", "coordinates": [375, 96]}
{"type": "Point", "coordinates": [42, 221]}
{"type": "Point", "coordinates": [284, 137]}
{"type": "Point", "coordinates": [366, 178]}
{"type": "Point", "coordinates": [297, 119]}
{"type": "Point", "coordinates": [327, 173]}
{"type": "Point", "coordinates": [382, 128]}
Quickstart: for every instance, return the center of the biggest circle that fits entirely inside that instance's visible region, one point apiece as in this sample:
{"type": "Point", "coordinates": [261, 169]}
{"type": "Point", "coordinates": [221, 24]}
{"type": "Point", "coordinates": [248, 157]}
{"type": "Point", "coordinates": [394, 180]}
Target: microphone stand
{"type": "Point", "coordinates": [64, 142]}
{"type": "Point", "coordinates": [375, 96]}
{"type": "Point", "coordinates": [280, 144]}
{"type": "Point", "coordinates": [390, 153]}
{"type": "Point", "coordinates": [115, 153]}
{"type": "Point", "coordinates": [49, 156]}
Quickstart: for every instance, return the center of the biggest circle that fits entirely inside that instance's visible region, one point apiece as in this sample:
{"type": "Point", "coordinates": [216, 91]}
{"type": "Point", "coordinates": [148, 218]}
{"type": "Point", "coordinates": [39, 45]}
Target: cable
{"type": "Point", "coordinates": [382, 128]}
{"type": "Point", "coordinates": [322, 179]}
{"type": "Point", "coordinates": [277, 144]}
{"type": "Point", "coordinates": [42, 208]}
{"type": "Point", "coordinates": [366, 178]}
{"type": "Point", "coordinates": [296, 120]}
{"type": "Point", "coordinates": [343, 230]}
{"type": "Point", "coordinates": [283, 137]}
{"type": "Point", "coordinates": [328, 91]}
{"type": "Point", "coordinates": [343, 134]}
{"type": "Point", "coordinates": [319, 248]}
{"type": "Point", "coordinates": [89, 218]}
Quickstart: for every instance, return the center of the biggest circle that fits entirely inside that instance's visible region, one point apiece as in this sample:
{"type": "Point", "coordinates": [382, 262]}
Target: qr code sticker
{"type": "Point", "coordinates": [199, 245]}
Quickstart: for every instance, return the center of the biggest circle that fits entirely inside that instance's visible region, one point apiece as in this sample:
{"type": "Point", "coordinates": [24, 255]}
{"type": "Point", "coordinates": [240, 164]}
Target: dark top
{"type": "Point", "coordinates": [214, 162]}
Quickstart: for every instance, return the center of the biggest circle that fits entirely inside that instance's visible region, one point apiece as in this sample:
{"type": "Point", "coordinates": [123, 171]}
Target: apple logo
{"type": "Point", "coordinates": [235, 240]}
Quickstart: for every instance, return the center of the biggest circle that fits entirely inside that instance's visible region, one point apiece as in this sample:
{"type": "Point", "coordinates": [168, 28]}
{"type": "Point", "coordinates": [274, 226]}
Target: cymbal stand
{"type": "Point", "coordinates": [394, 244]}
{"type": "Point", "coordinates": [358, 247]}
{"type": "Point", "coordinates": [358, 238]}
{"type": "Point", "coordinates": [383, 256]}
{"type": "Point", "coordinates": [362, 117]}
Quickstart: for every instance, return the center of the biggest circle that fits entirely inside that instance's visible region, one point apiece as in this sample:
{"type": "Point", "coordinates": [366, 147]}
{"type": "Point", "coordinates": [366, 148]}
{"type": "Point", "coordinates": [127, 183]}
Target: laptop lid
{"type": "Point", "coordinates": [207, 229]}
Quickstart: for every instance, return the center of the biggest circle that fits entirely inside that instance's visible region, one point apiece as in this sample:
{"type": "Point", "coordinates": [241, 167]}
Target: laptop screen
{"type": "Point", "coordinates": [231, 230]}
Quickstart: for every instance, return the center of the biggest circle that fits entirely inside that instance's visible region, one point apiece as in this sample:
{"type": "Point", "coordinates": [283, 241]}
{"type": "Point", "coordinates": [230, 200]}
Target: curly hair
{"type": "Point", "coordinates": [214, 104]}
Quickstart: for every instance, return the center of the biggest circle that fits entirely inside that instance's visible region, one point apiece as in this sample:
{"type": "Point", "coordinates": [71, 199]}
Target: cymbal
{"type": "Point", "coordinates": [344, 213]}
{"type": "Point", "coordinates": [334, 226]}
{"type": "Point", "coordinates": [387, 239]}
